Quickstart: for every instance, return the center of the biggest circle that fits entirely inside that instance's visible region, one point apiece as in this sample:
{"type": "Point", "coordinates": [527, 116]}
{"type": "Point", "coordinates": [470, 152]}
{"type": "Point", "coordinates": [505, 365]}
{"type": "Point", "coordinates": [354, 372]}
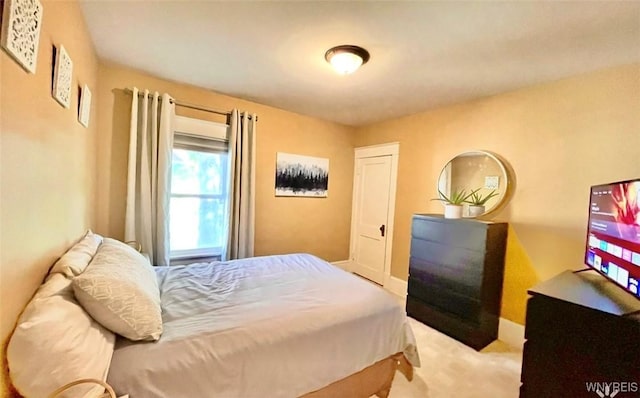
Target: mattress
{"type": "Point", "coordinates": [274, 326]}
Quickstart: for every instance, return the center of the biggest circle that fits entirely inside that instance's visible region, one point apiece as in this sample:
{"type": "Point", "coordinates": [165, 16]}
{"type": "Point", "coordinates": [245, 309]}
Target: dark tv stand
{"type": "Point", "coordinates": [580, 328]}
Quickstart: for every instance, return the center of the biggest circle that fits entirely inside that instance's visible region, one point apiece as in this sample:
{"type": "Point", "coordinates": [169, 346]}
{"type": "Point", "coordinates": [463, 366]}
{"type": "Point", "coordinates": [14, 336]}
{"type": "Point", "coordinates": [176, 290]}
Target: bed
{"type": "Point", "coordinates": [273, 326]}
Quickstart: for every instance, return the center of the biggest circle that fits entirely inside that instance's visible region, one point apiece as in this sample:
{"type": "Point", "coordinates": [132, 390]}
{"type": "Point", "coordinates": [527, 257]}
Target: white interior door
{"type": "Point", "coordinates": [372, 191]}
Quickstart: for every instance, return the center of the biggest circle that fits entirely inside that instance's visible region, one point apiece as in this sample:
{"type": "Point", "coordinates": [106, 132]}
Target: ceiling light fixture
{"type": "Point", "coordinates": [346, 59]}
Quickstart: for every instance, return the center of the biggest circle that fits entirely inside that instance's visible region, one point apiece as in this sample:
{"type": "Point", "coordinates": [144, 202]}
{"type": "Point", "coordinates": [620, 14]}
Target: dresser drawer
{"type": "Point", "coordinates": [464, 234]}
{"type": "Point", "coordinates": [441, 260]}
{"type": "Point", "coordinates": [461, 282]}
{"type": "Point", "coordinates": [446, 300]}
{"type": "Point", "coordinates": [472, 334]}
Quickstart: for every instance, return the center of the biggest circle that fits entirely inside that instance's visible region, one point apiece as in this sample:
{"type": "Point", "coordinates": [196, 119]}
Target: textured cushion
{"type": "Point", "coordinates": [120, 290]}
{"type": "Point", "coordinates": [75, 261]}
{"type": "Point", "coordinates": [56, 342]}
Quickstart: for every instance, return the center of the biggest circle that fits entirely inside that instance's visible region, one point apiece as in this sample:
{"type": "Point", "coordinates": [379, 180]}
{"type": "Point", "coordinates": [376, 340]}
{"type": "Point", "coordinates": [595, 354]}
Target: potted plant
{"type": "Point", "coordinates": [453, 203]}
{"type": "Point", "coordinates": [477, 202]}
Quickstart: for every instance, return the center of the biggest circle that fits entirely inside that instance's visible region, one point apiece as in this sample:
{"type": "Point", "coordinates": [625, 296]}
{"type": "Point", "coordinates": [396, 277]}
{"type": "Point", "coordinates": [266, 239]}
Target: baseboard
{"type": "Point", "coordinates": [391, 283]}
{"type": "Point", "coordinates": [396, 286]}
{"type": "Point", "coordinates": [344, 264]}
{"type": "Point", "coordinates": [511, 333]}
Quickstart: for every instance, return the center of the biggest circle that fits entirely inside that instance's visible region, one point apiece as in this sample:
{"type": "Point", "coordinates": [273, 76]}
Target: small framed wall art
{"type": "Point", "coordinates": [299, 175]}
{"type": "Point", "coordinates": [84, 110]}
{"type": "Point", "coordinates": [21, 21]}
{"type": "Point", "coordinates": [62, 75]}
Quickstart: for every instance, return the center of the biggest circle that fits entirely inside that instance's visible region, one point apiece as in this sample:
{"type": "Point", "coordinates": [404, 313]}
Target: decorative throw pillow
{"type": "Point", "coordinates": [76, 259]}
{"type": "Point", "coordinates": [119, 289]}
{"type": "Point", "coordinates": [56, 342]}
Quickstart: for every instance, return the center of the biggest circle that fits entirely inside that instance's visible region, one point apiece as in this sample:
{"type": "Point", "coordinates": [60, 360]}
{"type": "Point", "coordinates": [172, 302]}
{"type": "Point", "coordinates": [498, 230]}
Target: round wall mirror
{"type": "Point", "coordinates": [478, 172]}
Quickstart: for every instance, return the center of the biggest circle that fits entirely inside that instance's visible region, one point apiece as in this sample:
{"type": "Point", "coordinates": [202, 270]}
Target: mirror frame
{"type": "Point", "coordinates": [505, 197]}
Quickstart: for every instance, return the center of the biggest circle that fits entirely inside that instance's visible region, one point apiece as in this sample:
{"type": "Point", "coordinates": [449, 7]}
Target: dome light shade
{"type": "Point", "coordinates": [346, 59]}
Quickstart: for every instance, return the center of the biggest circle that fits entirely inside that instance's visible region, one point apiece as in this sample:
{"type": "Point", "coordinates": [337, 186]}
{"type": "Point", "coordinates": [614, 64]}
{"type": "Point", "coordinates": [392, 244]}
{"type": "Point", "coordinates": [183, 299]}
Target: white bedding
{"type": "Point", "coordinates": [276, 326]}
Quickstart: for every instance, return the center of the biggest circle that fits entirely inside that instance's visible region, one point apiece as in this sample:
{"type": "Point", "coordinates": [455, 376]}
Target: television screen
{"type": "Point", "coordinates": [613, 233]}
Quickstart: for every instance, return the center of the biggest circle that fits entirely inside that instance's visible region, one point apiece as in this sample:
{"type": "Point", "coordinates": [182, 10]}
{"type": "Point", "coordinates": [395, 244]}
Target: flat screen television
{"type": "Point", "coordinates": [613, 233]}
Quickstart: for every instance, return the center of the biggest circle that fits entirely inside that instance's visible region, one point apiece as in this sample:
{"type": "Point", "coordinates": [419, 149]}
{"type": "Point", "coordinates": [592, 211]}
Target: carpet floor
{"type": "Point", "coordinates": [452, 369]}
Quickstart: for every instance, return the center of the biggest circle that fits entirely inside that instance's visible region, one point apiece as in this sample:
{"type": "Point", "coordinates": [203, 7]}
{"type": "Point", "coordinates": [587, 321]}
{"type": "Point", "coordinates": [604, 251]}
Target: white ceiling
{"type": "Point", "coordinates": [423, 54]}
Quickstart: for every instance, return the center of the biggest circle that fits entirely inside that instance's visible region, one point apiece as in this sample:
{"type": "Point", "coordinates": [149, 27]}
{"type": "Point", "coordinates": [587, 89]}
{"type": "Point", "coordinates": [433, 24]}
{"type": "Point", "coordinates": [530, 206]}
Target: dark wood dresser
{"type": "Point", "coordinates": [580, 329]}
{"type": "Point", "coordinates": [455, 276]}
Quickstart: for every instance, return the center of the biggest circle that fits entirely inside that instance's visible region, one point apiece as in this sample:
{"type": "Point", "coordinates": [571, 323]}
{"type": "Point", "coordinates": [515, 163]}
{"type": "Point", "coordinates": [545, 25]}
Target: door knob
{"type": "Point", "coordinates": [382, 229]}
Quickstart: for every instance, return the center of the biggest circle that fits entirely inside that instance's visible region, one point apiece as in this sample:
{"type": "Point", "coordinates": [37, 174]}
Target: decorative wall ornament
{"type": "Point", "coordinates": [62, 77]}
{"type": "Point", "coordinates": [85, 106]}
{"type": "Point", "coordinates": [298, 175]}
{"type": "Point", "coordinates": [21, 31]}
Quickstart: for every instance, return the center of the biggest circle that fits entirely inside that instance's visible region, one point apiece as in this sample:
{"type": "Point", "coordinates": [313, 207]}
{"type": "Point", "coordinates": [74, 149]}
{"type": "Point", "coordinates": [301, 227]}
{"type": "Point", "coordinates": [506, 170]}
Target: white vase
{"type": "Point", "coordinates": [475, 211]}
{"type": "Point", "coordinates": [452, 211]}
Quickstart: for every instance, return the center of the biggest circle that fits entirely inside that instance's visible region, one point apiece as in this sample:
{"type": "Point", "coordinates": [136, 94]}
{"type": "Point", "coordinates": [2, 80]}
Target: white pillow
{"type": "Point", "coordinates": [56, 342]}
{"type": "Point", "coordinates": [76, 259]}
{"type": "Point", "coordinates": [120, 290]}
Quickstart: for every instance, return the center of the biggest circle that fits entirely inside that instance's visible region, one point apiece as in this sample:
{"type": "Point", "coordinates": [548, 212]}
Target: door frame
{"type": "Point", "coordinates": [387, 149]}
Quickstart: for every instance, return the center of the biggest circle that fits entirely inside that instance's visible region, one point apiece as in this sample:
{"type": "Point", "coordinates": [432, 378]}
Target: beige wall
{"type": "Point", "coordinates": [283, 225]}
{"type": "Point", "coordinates": [559, 137]}
{"type": "Point", "coordinates": [47, 163]}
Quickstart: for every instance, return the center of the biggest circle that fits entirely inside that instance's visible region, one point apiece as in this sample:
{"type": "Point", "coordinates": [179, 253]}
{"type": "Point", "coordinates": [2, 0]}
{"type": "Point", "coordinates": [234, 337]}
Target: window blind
{"type": "Point", "coordinates": [199, 143]}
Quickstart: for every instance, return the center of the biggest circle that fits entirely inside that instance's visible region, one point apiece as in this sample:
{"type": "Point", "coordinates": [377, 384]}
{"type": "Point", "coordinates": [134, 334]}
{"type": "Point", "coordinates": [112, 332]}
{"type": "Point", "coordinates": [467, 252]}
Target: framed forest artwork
{"type": "Point", "coordinates": [298, 175]}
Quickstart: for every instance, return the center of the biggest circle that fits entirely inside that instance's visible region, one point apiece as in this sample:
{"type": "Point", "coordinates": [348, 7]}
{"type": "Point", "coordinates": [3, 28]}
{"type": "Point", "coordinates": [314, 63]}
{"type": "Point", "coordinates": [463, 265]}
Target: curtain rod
{"type": "Point", "coordinates": [190, 106]}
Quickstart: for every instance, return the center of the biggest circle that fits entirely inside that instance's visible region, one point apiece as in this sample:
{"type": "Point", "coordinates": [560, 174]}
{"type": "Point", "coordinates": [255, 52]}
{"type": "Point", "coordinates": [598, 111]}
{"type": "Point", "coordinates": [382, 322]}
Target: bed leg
{"type": "Point", "coordinates": [384, 393]}
{"type": "Point", "coordinates": [406, 369]}
{"type": "Point", "coordinates": [404, 366]}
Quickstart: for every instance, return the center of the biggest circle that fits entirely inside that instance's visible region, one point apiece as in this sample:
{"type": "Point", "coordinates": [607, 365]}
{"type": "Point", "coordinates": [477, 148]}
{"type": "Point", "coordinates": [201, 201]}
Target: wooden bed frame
{"type": "Point", "coordinates": [373, 380]}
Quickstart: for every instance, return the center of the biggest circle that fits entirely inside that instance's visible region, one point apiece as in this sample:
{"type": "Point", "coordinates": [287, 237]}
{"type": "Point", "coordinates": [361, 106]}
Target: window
{"type": "Point", "coordinates": [199, 189]}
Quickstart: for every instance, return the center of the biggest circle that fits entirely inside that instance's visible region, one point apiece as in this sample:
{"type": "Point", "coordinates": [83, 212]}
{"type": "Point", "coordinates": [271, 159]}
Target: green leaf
{"type": "Point", "coordinates": [477, 199]}
{"type": "Point", "coordinates": [456, 198]}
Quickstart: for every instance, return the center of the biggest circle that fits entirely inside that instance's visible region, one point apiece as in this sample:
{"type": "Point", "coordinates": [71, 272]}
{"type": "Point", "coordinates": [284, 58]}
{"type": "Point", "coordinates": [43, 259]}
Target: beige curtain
{"type": "Point", "coordinates": [242, 167]}
{"type": "Point", "coordinates": [149, 174]}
